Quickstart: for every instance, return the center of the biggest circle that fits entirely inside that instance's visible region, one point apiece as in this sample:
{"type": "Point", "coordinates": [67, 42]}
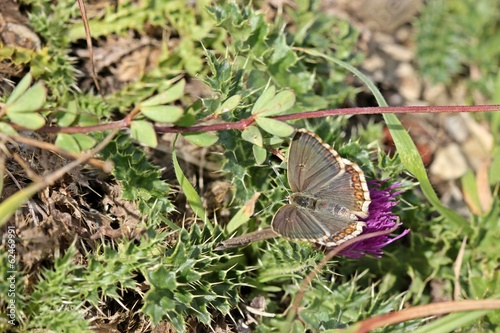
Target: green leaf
{"type": "Point", "coordinates": [84, 141]}
{"type": "Point", "coordinates": [183, 296]}
{"type": "Point", "coordinates": [143, 132]}
{"type": "Point", "coordinates": [163, 113]}
{"type": "Point", "coordinates": [273, 141]}
{"type": "Point", "coordinates": [67, 142]}
{"type": "Point", "coordinates": [230, 104]}
{"type": "Point", "coordinates": [186, 120]}
{"type": "Point", "coordinates": [177, 321]}
{"type": "Point", "coordinates": [252, 135]}
{"type": "Point", "coordinates": [74, 143]}
{"type": "Point", "coordinates": [87, 119]}
{"type": "Point", "coordinates": [192, 276]}
{"type": "Point", "coordinates": [162, 278]}
{"type": "Point", "coordinates": [259, 154]}
{"type": "Point", "coordinates": [494, 175]}
{"type": "Point", "coordinates": [203, 315]}
{"type": "Point", "coordinates": [265, 98]}
{"type": "Point", "coordinates": [274, 127]}
{"type": "Point", "coordinates": [31, 100]}
{"type": "Point", "coordinates": [66, 118]}
{"type": "Point", "coordinates": [192, 196]}
{"type": "Point", "coordinates": [451, 322]}
{"type": "Point", "coordinates": [12, 203]}
{"type": "Point", "coordinates": [20, 89]}
{"type": "Point", "coordinates": [283, 101]}
{"type": "Point", "coordinates": [171, 94]}
{"type": "Point", "coordinates": [243, 215]}
{"type": "Point", "coordinates": [166, 300]}
{"type": "Point", "coordinates": [202, 139]}
{"type": "Point", "coordinates": [152, 306]}
{"type": "Point", "coordinates": [29, 120]}
{"type": "Point", "coordinates": [470, 190]}
{"type": "Point", "coordinates": [7, 129]}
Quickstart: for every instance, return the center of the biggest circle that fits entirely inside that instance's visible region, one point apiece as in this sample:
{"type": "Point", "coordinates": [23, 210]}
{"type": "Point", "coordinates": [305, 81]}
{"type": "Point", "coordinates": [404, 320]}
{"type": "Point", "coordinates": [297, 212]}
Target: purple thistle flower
{"type": "Point", "coordinates": [380, 218]}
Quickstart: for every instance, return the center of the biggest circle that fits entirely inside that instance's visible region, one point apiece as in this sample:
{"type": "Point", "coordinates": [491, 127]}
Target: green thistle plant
{"type": "Point", "coordinates": [191, 280]}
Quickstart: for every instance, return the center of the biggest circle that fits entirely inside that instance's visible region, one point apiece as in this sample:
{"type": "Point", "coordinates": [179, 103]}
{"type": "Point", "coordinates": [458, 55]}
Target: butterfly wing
{"type": "Point", "coordinates": [305, 225]}
{"type": "Point", "coordinates": [348, 189]}
{"type": "Point", "coordinates": [311, 163]}
{"type": "Point", "coordinates": [297, 224]}
{"type": "Point", "coordinates": [340, 228]}
{"type": "Point", "coordinates": [315, 168]}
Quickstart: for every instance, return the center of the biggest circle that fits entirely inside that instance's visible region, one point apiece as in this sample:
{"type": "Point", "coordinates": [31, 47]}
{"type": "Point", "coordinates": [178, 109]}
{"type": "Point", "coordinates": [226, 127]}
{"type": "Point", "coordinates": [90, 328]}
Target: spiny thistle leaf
{"type": "Point", "coordinates": [195, 281]}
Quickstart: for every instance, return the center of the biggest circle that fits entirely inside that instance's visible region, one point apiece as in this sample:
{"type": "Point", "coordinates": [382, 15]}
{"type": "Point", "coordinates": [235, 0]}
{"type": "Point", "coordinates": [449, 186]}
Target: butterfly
{"type": "Point", "coordinates": [330, 194]}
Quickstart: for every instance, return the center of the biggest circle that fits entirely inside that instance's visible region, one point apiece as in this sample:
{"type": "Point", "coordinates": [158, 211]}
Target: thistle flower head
{"type": "Point", "coordinates": [380, 218]}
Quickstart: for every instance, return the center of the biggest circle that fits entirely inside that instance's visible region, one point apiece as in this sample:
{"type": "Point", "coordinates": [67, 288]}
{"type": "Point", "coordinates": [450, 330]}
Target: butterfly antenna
{"type": "Point", "coordinates": [278, 177]}
{"type": "Point", "coordinates": [270, 205]}
{"type": "Point", "coordinates": [280, 182]}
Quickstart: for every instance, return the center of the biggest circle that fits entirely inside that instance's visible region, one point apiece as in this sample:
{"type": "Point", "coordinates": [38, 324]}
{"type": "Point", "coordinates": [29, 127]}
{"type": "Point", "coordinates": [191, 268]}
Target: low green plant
{"type": "Point", "coordinates": [258, 70]}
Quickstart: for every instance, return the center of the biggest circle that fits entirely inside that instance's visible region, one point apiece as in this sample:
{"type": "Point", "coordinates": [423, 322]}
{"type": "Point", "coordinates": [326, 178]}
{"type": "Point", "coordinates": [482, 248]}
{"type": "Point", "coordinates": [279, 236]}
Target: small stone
{"type": "Point", "coordinates": [398, 52]}
{"type": "Point", "coordinates": [456, 127]}
{"type": "Point", "coordinates": [449, 163]}
{"type": "Point", "coordinates": [411, 85]}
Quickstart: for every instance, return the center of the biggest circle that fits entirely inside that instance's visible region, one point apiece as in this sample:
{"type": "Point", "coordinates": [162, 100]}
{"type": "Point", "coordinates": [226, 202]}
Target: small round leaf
{"type": "Point", "coordinates": [32, 100]}
{"type": "Point", "coordinates": [252, 135]}
{"type": "Point", "coordinates": [262, 101]}
{"type": "Point", "coordinates": [66, 118]}
{"type": "Point", "coordinates": [202, 139]}
{"type": "Point", "coordinates": [20, 89]}
{"type": "Point", "coordinates": [163, 113]}
{"type": "Point", "coordinates": [283, 101]}
{"type": "Point", "coordinates": [84, 141]}
{"type": "Point", "coordinates": [230, 104]}
{"type": "Point", "coordinates": [275, 127]}
{"type": "Point", "coordinates": [171, 94]}
{"type": "Point", "coordinates": [259, 154]}
{"type": "Point", "coordinates": [7, 129]}
{"type": "Point", "coordinates": [144, 132]}
{"type": "Point", "coordinates": [31, 120]}
{"type": "Point", "coordinates": [67, 142]}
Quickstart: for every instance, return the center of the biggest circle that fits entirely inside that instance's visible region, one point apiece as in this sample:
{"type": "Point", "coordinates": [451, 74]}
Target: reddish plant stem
{"type": "Point", "coordinates": [238, 125]}
{"type": "Point", "coordinates": [244, 123]}
{"type": "Point", "coordinates": [392, 109]}
{"type": "Point", "coordinates": [80, 129]}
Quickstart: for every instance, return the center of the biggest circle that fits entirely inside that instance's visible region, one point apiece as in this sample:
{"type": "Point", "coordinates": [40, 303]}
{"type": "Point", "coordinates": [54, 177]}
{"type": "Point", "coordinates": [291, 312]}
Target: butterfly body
{"type": "Point", "coordinates": [330, 194]}
{"type": "Point", "coordinates": [324, 206]}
